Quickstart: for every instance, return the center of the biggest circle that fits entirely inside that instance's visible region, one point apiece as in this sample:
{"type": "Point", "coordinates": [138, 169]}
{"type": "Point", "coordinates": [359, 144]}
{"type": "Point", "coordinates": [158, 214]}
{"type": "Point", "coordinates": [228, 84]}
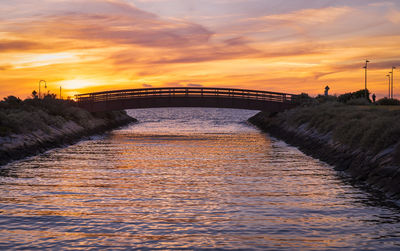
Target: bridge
{"type": "Point", "coordinates": [186, 97]}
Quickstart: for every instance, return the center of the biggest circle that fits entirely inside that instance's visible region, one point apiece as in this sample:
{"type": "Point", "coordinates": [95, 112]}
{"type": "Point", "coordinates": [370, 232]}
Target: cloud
{"type": "Point", "coordinates": [373, 65]}
{"type": "Point", "coordinates": [172, 84]}
{"type": "Point", "coordinates": [385, 64]}
{"type": "Point", "coordinates": [308, 16]}
{"type": "Point", "coordinates": [207, 54]}
{"type": "Point", "coordinates": [394, 16]}
{"type": "Point", "coordinates": [194, 85]}
{"type": "Point", "coordinates": [120, 24]}
{"type": "Point", "coordinates": [244, 43]}
{"type": "Point", "coordinates": [295, 20]}
{"type": "Point", "coordinates": [4, 67]}
{"type": "Point", "coordinates": [128, 30]}
{"type": "Point", "coordinates": [19, 45]}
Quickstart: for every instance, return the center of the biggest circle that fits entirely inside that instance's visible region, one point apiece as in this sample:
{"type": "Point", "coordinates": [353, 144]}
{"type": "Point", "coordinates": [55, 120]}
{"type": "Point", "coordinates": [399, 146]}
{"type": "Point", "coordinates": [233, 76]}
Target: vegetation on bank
{"type": "Point", "coordinates": [24, 116]}
{"type": "Point", "coordinates": [350, 119]}
{"type": "Point", "coordinates": [355, 126]}
{"type": "Point", "coordinates": [361, 97]}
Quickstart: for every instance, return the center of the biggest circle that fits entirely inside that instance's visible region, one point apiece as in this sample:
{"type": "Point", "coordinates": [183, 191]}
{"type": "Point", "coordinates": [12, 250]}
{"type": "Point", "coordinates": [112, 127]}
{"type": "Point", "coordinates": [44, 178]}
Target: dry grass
{"type": "Point", "coordinates": [382, 107]}
{"type": "Point", "coordinates": [370, 128]}
{"type": "Point", "coordinates": [17, 116]}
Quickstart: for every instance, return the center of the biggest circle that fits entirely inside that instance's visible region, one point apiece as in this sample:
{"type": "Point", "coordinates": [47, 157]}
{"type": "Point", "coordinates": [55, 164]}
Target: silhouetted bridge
{"type": "Point", "coordinates": [186, 97]}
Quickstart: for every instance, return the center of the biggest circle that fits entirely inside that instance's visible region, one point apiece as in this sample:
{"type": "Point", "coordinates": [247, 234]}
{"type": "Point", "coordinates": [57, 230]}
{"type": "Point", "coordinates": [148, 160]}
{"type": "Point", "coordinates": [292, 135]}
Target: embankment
{"type": "Point", "coordinates": [31, 127]}
{"type": "Point", "coordinates": [361, 141]}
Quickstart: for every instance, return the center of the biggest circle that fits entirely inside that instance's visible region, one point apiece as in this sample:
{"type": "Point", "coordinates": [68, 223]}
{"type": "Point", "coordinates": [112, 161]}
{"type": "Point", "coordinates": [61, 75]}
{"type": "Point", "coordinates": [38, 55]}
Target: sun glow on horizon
{"type": "Point", "coordinates": [78, 84]}
{"type": "Point", "coordinates": [98, 45]}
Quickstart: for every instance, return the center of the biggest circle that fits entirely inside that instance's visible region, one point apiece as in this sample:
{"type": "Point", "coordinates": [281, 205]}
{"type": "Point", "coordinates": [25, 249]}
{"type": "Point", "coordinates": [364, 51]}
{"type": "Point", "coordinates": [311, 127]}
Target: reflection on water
{"type": "Point", "coordinates": [187, 178]}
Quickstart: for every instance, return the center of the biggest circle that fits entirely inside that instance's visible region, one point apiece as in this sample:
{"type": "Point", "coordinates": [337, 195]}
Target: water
{"type": "Point", "coordinates": [187, 178]}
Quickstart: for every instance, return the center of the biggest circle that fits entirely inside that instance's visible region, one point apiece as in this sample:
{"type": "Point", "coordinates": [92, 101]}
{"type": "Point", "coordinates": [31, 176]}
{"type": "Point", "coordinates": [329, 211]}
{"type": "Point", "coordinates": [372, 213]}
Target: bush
{"type": "Point", "coordinates": [11, 101]}
{"type": "Point", "coordinates": [358, 101]}
{"type": "Point", "coordinates": [323, 99]}
{"type": "Point", "coordinates": [304, 99]}
{"type": "Point", "coordinates": [347, 97]}
{"type": "Point", "coordinates": [388, 101]}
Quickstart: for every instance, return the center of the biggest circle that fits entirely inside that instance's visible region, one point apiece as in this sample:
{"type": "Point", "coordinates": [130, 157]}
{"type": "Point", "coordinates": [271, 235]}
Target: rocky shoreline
{"type": "Point", "coordinates": [19, 146]}
{"type": "Point", "coordinates": [380, 170]}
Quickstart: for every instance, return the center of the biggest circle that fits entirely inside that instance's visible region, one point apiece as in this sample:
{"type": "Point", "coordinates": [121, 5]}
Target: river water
{"type": "Point", "coordinates": [188, 179]}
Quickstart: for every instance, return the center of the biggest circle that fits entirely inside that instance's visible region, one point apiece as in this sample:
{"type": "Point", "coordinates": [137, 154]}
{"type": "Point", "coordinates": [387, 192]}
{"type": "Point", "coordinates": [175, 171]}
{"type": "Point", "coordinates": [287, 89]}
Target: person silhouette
{"type": "Point", "coordinates": [326, 90]}
{"type": "Point", "coordinates": [373, 97]}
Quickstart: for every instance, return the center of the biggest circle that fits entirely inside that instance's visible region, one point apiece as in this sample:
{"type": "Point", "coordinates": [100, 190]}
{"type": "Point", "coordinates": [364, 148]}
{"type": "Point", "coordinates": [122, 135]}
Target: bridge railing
{"type": "Point", "coordinates": [185, 92]}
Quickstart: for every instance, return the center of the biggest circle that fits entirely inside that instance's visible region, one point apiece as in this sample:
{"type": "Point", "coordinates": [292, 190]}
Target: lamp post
{"type": "Point", "coordinates": [45, 85]}
{"type": "Point", "coordinates": [391, 85]}
{"type": "Point", "coordinates": [388, 76]}
{"type": "Point", "coordinates": [366, 69]}
{"type": "Point", "coordinates": [392, 80]}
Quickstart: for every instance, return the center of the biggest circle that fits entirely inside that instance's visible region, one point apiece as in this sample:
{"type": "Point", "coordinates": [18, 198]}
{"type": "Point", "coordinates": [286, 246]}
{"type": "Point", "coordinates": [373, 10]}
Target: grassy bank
{"type": "Point", "coordinates": [363, 141]}
{"type": "Point", "coordinates": [19, 117]}
{"type": "Point", "coordinates": [369, 128]}
{"type": "Point", "coordinates": [31, 126]}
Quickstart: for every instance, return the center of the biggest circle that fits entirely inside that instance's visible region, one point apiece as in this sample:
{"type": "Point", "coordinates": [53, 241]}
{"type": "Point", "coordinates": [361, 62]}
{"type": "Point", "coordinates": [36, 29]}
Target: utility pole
{"type": "Point", "coordinates": [366, 69]}
{"type": "Point", "coordinates": [45, 85]}
{"type": "Point", "coordinates": [391, 85]}
{"type": "Point", "coordinates": [392, 80]}
{"type": "Point", "coordinates": [388, 76]}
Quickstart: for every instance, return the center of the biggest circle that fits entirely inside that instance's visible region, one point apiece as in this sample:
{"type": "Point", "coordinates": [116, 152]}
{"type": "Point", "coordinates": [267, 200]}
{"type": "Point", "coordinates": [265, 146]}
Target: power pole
{"type": "Point", "coordinates": [388, 76]}
{"type": "Point", "coordinates": [45, 85]}
{"type": "Point", "coordinates": [366, 69]}
{"type": "Point", "coordinates": [392, 80]}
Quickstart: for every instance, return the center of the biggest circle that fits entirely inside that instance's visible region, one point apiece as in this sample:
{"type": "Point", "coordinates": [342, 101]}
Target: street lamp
{"type": "Point", "coordinates": [388, 76]}
{"type": "Point", "coordinates": [391, 84]}
{"type": "Point", "coordinates": [45, 85]}
{"type": "Point", "coordinates": [392, 80]}
{"type": "Point", "coordinates": [366, 69]}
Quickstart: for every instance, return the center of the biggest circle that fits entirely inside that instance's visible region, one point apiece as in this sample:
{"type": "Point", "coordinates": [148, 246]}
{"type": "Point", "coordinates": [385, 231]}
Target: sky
{"type": "Point", "coordinates": [296, 46]}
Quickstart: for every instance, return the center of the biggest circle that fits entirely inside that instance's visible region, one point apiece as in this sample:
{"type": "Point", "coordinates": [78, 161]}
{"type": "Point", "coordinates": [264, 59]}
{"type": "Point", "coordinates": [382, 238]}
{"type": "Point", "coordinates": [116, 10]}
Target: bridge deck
{"type": "Point", "coordinates": [185, 96]}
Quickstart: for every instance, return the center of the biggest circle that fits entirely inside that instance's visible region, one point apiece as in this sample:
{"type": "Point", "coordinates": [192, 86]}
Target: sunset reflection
{"type": "Point", "coordinates": [185, 178]}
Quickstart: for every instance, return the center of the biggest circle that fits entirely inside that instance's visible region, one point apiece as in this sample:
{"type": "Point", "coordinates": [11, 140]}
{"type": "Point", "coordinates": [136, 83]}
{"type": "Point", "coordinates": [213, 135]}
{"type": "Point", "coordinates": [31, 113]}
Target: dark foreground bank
{"type": "Point", "coordinates": [33, 126]}
{"type": "Point", "coordinates": [362, 141]}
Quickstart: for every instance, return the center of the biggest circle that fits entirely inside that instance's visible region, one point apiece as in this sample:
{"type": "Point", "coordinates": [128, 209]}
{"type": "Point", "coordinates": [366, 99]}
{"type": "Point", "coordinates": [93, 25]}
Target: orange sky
{"type": "Point", "coordinates": [288, 46]}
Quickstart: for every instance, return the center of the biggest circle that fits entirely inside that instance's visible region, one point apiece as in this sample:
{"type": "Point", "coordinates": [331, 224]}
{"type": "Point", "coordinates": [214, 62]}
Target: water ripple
{"type": "Point", "coordinates": [187, 179]}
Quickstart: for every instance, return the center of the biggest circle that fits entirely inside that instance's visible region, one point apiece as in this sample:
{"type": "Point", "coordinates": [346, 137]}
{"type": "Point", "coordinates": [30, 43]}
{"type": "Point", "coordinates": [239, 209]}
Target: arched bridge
{"type": "Point", "coordinates": [186, 97]}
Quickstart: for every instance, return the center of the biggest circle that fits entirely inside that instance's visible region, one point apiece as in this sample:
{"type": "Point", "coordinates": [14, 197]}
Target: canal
{"type": "Point", "coordinates": [188, 178]}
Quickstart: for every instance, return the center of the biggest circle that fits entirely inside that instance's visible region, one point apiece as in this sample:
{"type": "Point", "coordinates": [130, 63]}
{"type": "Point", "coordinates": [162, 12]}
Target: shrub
{"type": "Point", "coordinates": [11, 101]}
{"type": "Point", "coordinates": [358, 101]}
{"type": "Point", "coordinates": [345, 98]}
{"type": "Point", "coordinates": [304, 99]}
{"type": "Point", "coordinates": [323, 99]}
{"type": "Point", "coordinates": [388, 101]}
